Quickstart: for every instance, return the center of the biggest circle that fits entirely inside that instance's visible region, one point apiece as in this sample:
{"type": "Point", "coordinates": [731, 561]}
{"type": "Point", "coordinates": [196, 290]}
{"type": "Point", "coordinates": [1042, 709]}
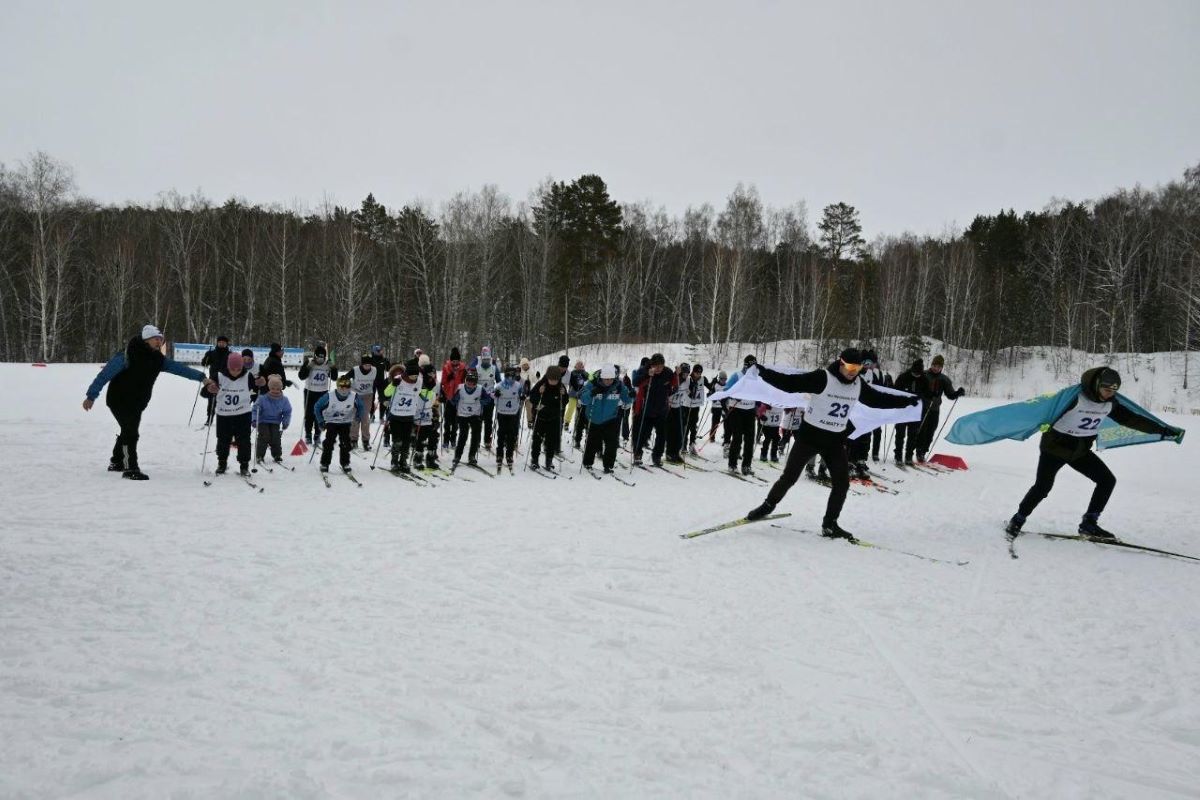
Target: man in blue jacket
{"type": "Point", "coordinates": [130, 375]}
{"type": "Point", "coordinates": [604, 398]}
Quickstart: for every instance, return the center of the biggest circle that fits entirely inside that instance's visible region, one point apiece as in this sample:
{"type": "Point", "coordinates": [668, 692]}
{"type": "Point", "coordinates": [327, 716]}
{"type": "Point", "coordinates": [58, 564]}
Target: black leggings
{"type": "Point", "coordinates": [468, 426]}
{"type": "Point", "coordinates": [834, 455]}
{"type": "Point", "coordinates": [741, 425]}
{"type": "Point", "coordinates": [1090, 466]}
{"type": "Point", "coordinates": [125, 450]}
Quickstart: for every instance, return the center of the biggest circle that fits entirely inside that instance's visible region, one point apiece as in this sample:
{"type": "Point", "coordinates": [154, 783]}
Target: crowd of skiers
{"type": "Point", "coordinates": [653, 407]}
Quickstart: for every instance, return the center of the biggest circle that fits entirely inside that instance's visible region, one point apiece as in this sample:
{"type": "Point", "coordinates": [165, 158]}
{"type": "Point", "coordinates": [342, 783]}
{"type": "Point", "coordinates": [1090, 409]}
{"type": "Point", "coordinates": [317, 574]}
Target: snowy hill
{"type": "Point", "coordinates": [517, 637]}
{"type": "Point", "coordinates": [1156, 380]}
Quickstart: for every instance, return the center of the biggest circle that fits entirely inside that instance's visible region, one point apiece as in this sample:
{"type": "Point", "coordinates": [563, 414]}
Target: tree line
{"type": "Point", "coordinates": [571, 266]}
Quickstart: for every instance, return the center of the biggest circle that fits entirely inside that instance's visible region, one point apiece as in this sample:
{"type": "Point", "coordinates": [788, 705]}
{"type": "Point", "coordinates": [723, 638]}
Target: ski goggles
{"type": "Point", "coordinates": [853, 369]}
{"type": "Point", "coordinates": [1110, 386]}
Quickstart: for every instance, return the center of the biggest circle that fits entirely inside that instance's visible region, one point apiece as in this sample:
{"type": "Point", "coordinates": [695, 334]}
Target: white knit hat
{"type": "Point", "coordinates": [149, 332]}
{"type": "Point", "coordinates": [607, 372]}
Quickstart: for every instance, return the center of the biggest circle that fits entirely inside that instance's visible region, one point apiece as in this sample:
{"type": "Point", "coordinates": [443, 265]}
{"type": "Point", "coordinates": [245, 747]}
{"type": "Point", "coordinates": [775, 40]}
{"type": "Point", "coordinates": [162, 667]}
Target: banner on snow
{"type": "Point", "coordinates": [865, 418]}
{"type": "Point", "coordinates": [191, 353]}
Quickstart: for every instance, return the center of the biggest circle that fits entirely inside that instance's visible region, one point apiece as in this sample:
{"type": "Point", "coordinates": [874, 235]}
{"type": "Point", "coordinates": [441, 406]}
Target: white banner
{"type": "Point", "coordinates": [191, 353]}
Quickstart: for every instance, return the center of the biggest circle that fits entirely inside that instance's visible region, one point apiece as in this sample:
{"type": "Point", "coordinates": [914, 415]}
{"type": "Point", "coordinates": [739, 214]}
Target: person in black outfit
{"type": "Point", "coordinates": [877, 376]}
{"type": "Point", "coordinates": [660, 384]}
{"type": "Point", "coordinates": [382, 366]}
{"type": "Point", "coordinates": [834, 392]}
{"type": "Point", "coordinates": [130, 375]}
{"type": "Point", "coordinates": [273, 364]}
{"type": "Point", "coordinates": [931, 388]}
{"type": "Point", "coordinates": [1068, 442]}
{"type": "Point", "coordinates": [547, 404]}
{"type": "Point", "coordinates": [906, 432]}
{"type": "Point", "coordinates": [215, 360]}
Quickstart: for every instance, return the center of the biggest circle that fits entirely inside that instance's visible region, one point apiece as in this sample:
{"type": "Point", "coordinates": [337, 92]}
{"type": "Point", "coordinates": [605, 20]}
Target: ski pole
{"type": "Point", "coordinates": [194, 402]}
{"type": "Point", "coordinates": [378, 438]}
{"type": "Point", "coordinates": [949, 414]}
{"type": "Point", "coordinates": [204, 458]}
{"type": "Point", "coordinates": [537, 412]}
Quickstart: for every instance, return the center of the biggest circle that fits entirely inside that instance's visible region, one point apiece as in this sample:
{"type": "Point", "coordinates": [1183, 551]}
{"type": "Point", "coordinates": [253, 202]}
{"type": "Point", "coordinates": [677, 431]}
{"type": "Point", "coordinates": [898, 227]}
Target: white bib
{"type": "Point", "coordinates": [404, 401]}
{"type": "Point", "coordinates": [1084, 418]}
{"type": "Point", "coordinates": [773, 418]}
{"type": "Point", "coordinates": [470, 405]}
{"type": "Point", "coordinates": [487, 376]}
{"type": "Point", "coordinates": [362, 382]}
{"type": "Point", "coordinates": [318, 377]}
{"type": "Point", "coordinates": [830, 410]}
{"type": "Point", "coordinates": [233, 397]}
{"type": "Point", "coordinates": [424, 408]}
{"type": "Point", "coordinates": [508, 400]}
{"type": "Point", "coordinates": [339, 411]}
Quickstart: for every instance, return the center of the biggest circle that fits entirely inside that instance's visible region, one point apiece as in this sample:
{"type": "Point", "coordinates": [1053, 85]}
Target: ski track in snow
{"type": "Point", "coordinates": [515, 637]}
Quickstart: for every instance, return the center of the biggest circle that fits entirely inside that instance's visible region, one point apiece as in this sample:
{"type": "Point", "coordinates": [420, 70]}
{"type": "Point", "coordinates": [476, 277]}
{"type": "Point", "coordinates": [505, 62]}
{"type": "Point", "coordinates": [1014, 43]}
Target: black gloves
{"type": "Point", "coordinates": [961, 391]}
{"type": "Point", "coordinates": [912, 401]}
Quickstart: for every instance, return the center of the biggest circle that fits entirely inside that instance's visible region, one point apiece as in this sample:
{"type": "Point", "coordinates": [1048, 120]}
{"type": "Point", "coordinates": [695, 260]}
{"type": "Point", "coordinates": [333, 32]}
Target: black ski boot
{"type": "Point", "coordinates": [114, 466]}
{"type": "Point", "coordinates": [346, 469]}
{"type": "Point", "coordinates": [244, 470]}
{"type": "Point", "coordinates": [831, 530]}
{"type": "Point", "coordinates": [222, 467]}
{"type": "Point", "coordinates": [1013, 528]}
{"type": "Point", "coordinates": [761, 511]}
{"type": "Point", "coordinates": [1089, 526]}
{"type": "Point", "coordinates": [324, 468]}
{"type": "Point", "coordinates": [746, 470]}
{"type": "Point", "coordinates": [135, 475]}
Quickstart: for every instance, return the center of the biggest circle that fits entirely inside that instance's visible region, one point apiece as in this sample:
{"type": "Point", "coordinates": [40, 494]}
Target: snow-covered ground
{"type": "Point", "coordinates": [518, 637]}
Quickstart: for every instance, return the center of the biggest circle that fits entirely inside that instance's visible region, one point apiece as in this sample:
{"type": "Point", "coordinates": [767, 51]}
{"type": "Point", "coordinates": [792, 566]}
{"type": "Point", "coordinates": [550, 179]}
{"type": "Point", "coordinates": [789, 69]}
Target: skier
{"type": "Point", "coordinates": [626, 407]}
{"type": "Point", "coordinates": [740, 422]}
{"type": "Point", "coordinates": [215, 359]}
{"type": "Point", "coordinates": [509, 395]}
{"type": "Point", "coordinates": [272, 414]}
{"type": "Point", "coordinates": [335, 413]}
{"type": "Point", "coordinates": [772, 421]}
{"type": "Point", "coordinates": [579, 377]}
{"type": "Point", "coordinates": [834, 392]}
{"type": "Point", "coordinates": [547, 405]}
{"type": "Point", "coordinates": [1071, 419]}
{"type": "Point", "coordinates": [489, 375]}
{"type": "Point", "coordinates": [318, 375]}
{"type": "Point", "coordinates": [906, 433]}
{"type": "Point", "coordinates": [470, 403]}
{"type": "Point", "coordinates": [655, 385]}
{"type": "Point", "coordinates": [718, 409]}
{"type": "Point", "coordinates": [428, 414]}
{"type": "Point", "coordinates": [252, 369]}
{"type": "Point", "coordinates": [697, 395]}
{"type": "Point", "coordinates": [130, 375]}
{"type": "Point", "coordinates": [677, 413]}
{"type": "Point", "coordinates": [273, 364]}
{"type": "Point", "coordinates": [876, 376]}
{"type": "Point", "coordinates": [528, 379]}
{"type": "Point", "coordinates": [382, 366]}
{"type": "Point", "coordinates": [453, 372]}
{"type": "Point", "coordinates": [234, 412]}
{"type": "Point", "coordinates": [604, 396]}
{"type": "Point", "coordinates": [401, 394]}
{"type": "Point", "coordinates": [362, 383]}
{"type": "Point", "coordinates": [931, 387]}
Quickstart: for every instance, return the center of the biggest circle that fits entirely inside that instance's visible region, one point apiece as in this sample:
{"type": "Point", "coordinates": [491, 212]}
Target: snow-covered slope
{"type": "Point", "coordinates": [517, 637]}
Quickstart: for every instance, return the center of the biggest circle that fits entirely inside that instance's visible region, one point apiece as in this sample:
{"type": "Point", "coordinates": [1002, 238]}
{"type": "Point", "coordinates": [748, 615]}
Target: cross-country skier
{"type": "Point", "coordinates": [453, 372]}
{"type": "Point", "coordinates": [318, 375]}
{"type": "Point", "coordinates": [834, 392]}
{"type": "Point", "coordinates": [718, 409]}
{"type": "Point", "coordinates": [335, 412]}
{"type": "Point", "coordinates": [547, 404]}
{"type": "Point", "coordinates": [906, 433]}
{"type": "Point", "coordinates": [931, 388]}
{"type": "Point", "coordinates": [273, 364]}
{"type": "Point", "coordinates": [402, 397]}
{"type": "Point", "coordinates": [509, 395]}
{"type": "Point", "coordinates": [234, 412]}
{"type": "Point", "coordinates": [362, 383]}
{"type": "Point", "coordinates": [740, 421]}
{"type": "Point", "coordinates": [772, 422]}
{"type": "Point", "coordinates": [697, 397]}
{"type": "Point", "coordinates": [489, 375]}
{"type": "Point", "coordinates": [655, 384]}
{"type": "Point", "coordinates": [381, 364]}
{"type": "Point", "coordinates": [215, 359]}
{"type": "Point", "coordinates": [426, 419]}
{"type": "Point", "coordinates": [130, 375]}
{"type": "Point", "coordinates": [1071, 420]}
{"type": "Point", "coordinates": [470, 403]}
{"type": "Point", "coordinates": [677, 409]}
{"type": "Point", "coordinates": [876, 375]}
{"type": "Point", "coordinates": [272, 415]}
{"type": "Point", "coordinates": [604, 396]}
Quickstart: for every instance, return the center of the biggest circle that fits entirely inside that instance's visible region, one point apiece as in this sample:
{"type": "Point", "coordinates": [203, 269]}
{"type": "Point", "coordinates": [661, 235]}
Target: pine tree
{"type": "Point", "coordinates": [841, 232]}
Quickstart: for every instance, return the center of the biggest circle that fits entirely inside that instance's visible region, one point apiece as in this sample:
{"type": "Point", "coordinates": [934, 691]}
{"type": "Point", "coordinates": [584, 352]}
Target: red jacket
{"type": "Point", "coordinates": [452, 377]}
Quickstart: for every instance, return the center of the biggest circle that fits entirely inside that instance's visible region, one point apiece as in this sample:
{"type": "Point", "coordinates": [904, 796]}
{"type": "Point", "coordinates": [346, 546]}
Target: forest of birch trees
{"type": "Point", "coordinates": [568, 265]}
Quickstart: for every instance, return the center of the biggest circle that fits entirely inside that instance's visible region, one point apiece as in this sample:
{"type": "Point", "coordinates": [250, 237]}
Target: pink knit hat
{"type": "Point", "coordinates": [235, 361]}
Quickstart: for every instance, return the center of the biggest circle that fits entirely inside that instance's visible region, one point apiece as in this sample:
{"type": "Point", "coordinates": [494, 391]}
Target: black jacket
{"type": "Point", "coordinates": [215, 359]}
{"type": "Point", "coordinates": [932, 386]}
{"type": "Point", "coordinates": [273, 365]}
{"type": "Point", "coordinates": [381, 365]}
{"type": "Point", "coordinates": [656, 391]}
{"type": "Point", "coordinates": [547, 403]}
{"type": "Point", "coordinates": [130, 390]}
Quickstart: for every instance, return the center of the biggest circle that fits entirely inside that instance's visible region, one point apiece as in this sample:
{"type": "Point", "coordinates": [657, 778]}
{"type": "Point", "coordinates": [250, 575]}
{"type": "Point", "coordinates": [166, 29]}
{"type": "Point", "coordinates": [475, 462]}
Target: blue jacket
{"type": "Point", "coordinates": [360, 410]}
{"type": "Point", "coordinates": [604, 403]}
{"type": "Point", "coordinates": [272, 411]}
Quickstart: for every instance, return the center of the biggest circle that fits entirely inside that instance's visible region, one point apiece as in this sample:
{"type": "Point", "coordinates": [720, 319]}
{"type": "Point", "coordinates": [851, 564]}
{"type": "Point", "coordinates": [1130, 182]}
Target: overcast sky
{"type": "Point", "coordinates": [920, 114]}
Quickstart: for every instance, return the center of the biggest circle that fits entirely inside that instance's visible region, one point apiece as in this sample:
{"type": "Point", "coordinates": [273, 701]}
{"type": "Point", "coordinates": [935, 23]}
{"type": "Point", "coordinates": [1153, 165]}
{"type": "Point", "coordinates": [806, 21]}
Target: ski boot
{"type": "Point", "coordinates": [533, 465]}
{"type": "Point", "coordinates": [920, 458]}
{"type": "Point", "coordinates": [656, 462]}
{"type": "Point", "coordinates": [367, 446]}
{"type": "Point", "coordinates": [674, 460]}
{"type": "Point", "coordinates": [746, 470]}
{"type": "Point", "coordinates": [607, 470]}
{"type": "Point", "coordinates": [1013, 528]}
{"type": "Point", "coordinates": [135, 475]}
{"type": "Point", "coordinates": [324, 468]}
{"type": "Point", "coordinates": [472, 462]}
{"type": "Point", "coordinates": [116, 466]}
{"type": "Point", "coordinates": [244, 470]}
{"type": "Point", "coordinates": [831, 530]}
{"type": "Point", "coordinates": [1089, 526]}
{"type": "Point", "coordinates": [222, 468]}
{"type": "Point", "coordinates": [550, 466]}
{"type": "Point", "coordinates": [761, 511]}
{"type": "Point", "coordinates": [346, 469]}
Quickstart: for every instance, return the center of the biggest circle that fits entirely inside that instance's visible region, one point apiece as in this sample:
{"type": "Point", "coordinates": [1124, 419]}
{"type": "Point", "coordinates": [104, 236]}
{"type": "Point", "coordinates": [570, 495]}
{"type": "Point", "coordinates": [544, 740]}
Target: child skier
{"type": "Point", "coordinates": [318, 375]}
{"type": "Point", "coordinates": [509, 395]}
{"type": "Point", "coordinates": [272, 414]}
{"type": "Point", "coordinates": [233, 405]}
{"type": "Point", "coordinates": [336, 412]}
{"type": "Point", "coordinates": [426, 418]}
{"type": "Point", "coordinates": [489, 375]}
{"type": "Point", "coordinates": [362, 383]}
{"type": "Point", "coordinates": [772, 421]}
{"type": "Point", "coordinates": [401, 394]}
{"type": "Point", "coordinates": [469, 403]}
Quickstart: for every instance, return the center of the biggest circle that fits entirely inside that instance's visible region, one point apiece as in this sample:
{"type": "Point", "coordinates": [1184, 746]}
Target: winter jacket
{"type": "Point", "coordinates": [131, 374]}
{"type": "Point", "coordinates": [452, 378]}
{"type": "Point", "coordinates": [932, 386]}
{"type": "Point", "coordinates": [576, 382]}
{"type": "Point", "coordinates": [215, 359]}
{"type": "Point", "coordinates": [604, 402]}
{"type": "Point", "coordinates": [273, 365]}
{"type": "Point", "coordinates": [1070, 448]}
{"type": "Point", "coordinates": [547, 403]}
{"type": "Point", "coordinates": [878, 377]}
{"type": "Point", "coordinates": [381, 365]}
{"type": "Point", "coordinates": [654, 391]}
{"type": "Point", "coordinates": [270, 410]}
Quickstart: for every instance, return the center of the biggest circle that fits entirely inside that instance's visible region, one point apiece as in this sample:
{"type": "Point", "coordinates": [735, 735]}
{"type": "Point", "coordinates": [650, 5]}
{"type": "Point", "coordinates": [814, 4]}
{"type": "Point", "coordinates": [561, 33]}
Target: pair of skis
{"type": "Point", "coordinates": [600, 476]}
{"type": "Point", "coordinates": [329, 484]}
{"type": "Point", "coordinates": [245, 478]}
{"type": "Point", "coordinates": [1079, 537]}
